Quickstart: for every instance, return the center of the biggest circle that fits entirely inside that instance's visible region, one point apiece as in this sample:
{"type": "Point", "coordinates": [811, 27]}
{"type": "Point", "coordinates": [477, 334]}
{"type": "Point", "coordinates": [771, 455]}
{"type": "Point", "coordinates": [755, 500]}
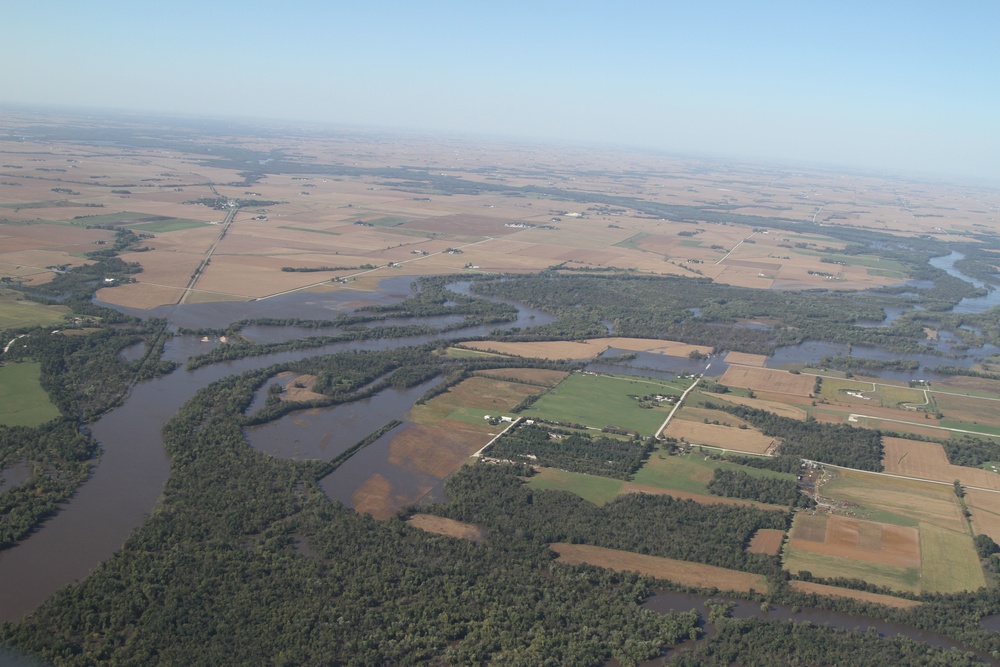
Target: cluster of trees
{"type": "Point", "coordinates": [779, 463]}
{"type": "Point", "coordinates": [59, 455]}
{"type": "Point", "coordinates": [839, 444]}
{"type": "Point", "coordinates": [772, 490]}
{"type": "Point", "coordinates": [780, 643]}
{"type": "Point", "coordinates": [576, 452]}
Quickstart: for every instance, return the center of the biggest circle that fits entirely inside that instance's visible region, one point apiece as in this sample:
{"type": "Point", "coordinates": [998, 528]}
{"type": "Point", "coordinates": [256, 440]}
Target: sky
{"type": "Point", "coordinates": [904, 87]}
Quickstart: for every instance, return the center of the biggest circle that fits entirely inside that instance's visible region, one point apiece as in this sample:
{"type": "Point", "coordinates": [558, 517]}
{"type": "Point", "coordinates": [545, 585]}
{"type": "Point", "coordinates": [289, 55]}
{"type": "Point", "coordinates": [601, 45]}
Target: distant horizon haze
{"type": "Point", "coordinates": [895, 87]}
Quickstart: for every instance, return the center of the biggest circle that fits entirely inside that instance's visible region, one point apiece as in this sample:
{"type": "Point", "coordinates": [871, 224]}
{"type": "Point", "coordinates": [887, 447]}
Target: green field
{"type": "Point", "coordinates": [23, 402]}
{"type": "Point", "coordinates": [387, 222]}
{"type": "Point", "coordinates": [689, 472]}
{"type": "Point", "coordinates": [606, 400]}
{"type": "Point", "coordinates": [16, 313]}
{"type": "Point", "coordinates": [632, 242]}
{"type": "Point", "coordinates": [949, 561]}
{"type": "Point", "coordinates": [598, 490]}
{"type": "Point", "coordinates": [164, 226]}
{"type": "Point", "coordinates": [823, 565]}
{"type": "Point", "coordinates": [883, 395]}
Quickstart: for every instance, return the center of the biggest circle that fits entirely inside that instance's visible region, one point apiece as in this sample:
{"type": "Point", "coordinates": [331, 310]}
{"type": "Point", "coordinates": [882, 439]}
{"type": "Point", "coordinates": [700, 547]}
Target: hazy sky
{"type": "Point", "coordinates": [879, 84]}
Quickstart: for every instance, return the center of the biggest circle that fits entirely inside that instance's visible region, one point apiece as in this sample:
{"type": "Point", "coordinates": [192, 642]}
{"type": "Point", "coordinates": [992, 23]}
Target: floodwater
{"type": "Point", "coordinates": [15, 475]}
{"type": "Point", "coordinates": [324, 433]}
{"type": "Point", "coordinates": [129, 476]}
{"type": "Point", "coordinates": [667, 601]}
{"type": "Point", "coordinates": [660, 366]}
{"type": "Point", "coordinates": [970, 304]}
{"type": "Point", "coordinates": [408, 484]}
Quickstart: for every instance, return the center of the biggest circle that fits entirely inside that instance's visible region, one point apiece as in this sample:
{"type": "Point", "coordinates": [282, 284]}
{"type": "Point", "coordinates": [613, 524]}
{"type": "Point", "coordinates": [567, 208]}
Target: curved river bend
{"type": "Point", "coordinates": [128, 479]}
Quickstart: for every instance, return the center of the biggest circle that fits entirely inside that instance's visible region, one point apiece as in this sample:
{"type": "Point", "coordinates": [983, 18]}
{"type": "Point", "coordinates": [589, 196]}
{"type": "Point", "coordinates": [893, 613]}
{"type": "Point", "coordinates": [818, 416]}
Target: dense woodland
{"type": "Point", "coordinates": [839, 444]}
{"type": "Point", "coordinates": [738, 484]}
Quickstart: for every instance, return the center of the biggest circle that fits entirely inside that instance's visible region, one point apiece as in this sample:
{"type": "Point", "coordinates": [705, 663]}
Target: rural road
{"type": "Point", "coordinates": [680, 402]}
{"type": "Point", "coordinates": [208, 257]}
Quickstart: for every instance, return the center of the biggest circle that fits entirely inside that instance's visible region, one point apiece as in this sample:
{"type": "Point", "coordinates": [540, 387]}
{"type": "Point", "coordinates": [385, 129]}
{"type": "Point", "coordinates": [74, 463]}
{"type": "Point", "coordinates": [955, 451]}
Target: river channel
{"type": "Point", "coordinates": [129, 476]}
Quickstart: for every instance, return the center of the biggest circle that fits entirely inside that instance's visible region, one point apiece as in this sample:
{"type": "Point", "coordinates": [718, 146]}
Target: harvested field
{"type": "Point", "coordinates": [925, 502]}
{"type": "Point", "coordinates": [767, 541]}
{"type": "Point", "coordinates": [810, 527]}
{"type": "Point", "coordinates": [304, 393]}
{"type": "Point", "coordinates": [468, 401]}
{"type": "Point", "coordinates": [587, 349]}
{"type": "Point", "coordinates": [440, 525]}
{"type": "Point", "coordinates": [927, 460]}
{"type": "Point", "coordinates": [865, 540]}
{"type": "Point", "coordinates": [678, 571]}
{"type": "Point", "coordinates": [762, 379]}
{"type": "Point", "coordinates": [434, 450]}
{"type": "Point", "coordinates": [715, 435]}
{"type": "Point", "coordinates": [837, 592]}
{"type": "Point", "coordinates": [539, 376]}
{"type": "Point", "coordinates": [985, 508]}
{"type": "Point", "coordinates": [746, 359]}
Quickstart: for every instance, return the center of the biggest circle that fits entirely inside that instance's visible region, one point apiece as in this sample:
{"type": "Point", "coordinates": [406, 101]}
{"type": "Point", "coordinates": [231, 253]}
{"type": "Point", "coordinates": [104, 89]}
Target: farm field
{"type": "Point", "coordinates": [837, 592]}
{"type": "Point", "coordinates": [586, 349]}
{"type": "Point", "coordinates": [927, 460]}
{"type": "Point", "coordinates": [16, 313]}
{"type": "Point", "coordinates": [598, 401]}
{"type": "Point", "coordinates": [769, 380]}
{"type": "Point", "coordinates": [677, 571]}
{"type": "Point", "coordinates": [23, 402]}
{"type": "Point", "coordinates": [872, 394]}
{"type": "Point", "coordinates": [767, 541]}
{"type": "Point", "coordinates": [440, 525]}
{"type": "Point", "coordinates": [598, 490]}
{"type": "Point", "coordinates": [747, 440]}
{"type": "Point", "coordinates": [985, 509]}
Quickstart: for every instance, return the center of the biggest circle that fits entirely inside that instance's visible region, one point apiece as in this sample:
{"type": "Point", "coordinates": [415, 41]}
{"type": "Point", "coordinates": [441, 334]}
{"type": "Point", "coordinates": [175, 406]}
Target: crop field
{"type": "Point", "coordinates": [916, 500]}
{"type": "Point", "coordinates": [747, 440]}
{"type": "Point", "coordinates": [847, 537]}
{"type": "Point", "coordinates": [605, 400]}
{"type": "Point", "coordinates": [927, 460]}
{"type": "Point", "coordinates": [764, 379]}
{"type": "Point", "coordinates": [678, 571]}
{"type": "Point", "coordinates": [440, 525]}
{"type": "Point", "coordinates": [586, 349]}
{"type": "Point", "coordinates": [985, 509]}
{"type": "Point", "coordinates": [969, 409]}
{"type": "Point", "coordinates": [746, 359]}
{"type": "Point", "coordinates": [539, 376]}
{"type": "Point", "coordinates": [837, 592]}
{"type": "Point", "coordinates": [16, 313]}
{"type": "Point", "coordinates": [767, 541]}
{"type": "Point", "coordinates": [950, 561]}
{"type": "Point", "coordinates": [471, 400]}
{"type": "Point", "coordinates": [23, 402]}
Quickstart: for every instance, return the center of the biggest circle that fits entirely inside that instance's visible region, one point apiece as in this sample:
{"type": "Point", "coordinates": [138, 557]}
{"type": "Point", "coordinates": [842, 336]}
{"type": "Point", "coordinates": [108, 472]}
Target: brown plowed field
{"type": "Point", "coordinates": [682, 572]}
{"type": "Point", "coordinates": [766, 541]}
{"type": "Point", "coordinates": [440, 525]}
{"type": "Point", "coordinates": [864, 540]}
{"type": "Point", "coordinates": [538, 376]}
{"type": "Point", "coordinates": [586, 349]}
{"type": "Point", "coordinates": [927, 460]}
{"type": "Point", "coordinates": [715, 435]}
{"type": "Point", "coordinates": [837, 592]}
{"type": "Point", "coordinates": [985, 508]}
{"type": "Point", "coordinates": [746, 359]}
{"type": "Point", "coordinates": [762, 379]}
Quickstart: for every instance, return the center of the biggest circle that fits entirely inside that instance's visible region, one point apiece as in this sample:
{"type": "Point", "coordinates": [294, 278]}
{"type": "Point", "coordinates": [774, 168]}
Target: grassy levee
{"type": "Point", "coordinates": [598, 401]}
{"type": "Point", "coordinates": [23, 402]}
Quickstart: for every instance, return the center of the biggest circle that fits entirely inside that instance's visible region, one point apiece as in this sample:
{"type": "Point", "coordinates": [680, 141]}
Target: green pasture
{"type": "Point", "coordinates": [23, 402]}
{"type": "Point", "coordinates": [823, 565]}
{"type": "Point", "coordinates": [606, 400]}
{"type": "Point", "coordinates": [15, 314]}
{"type": "Point", "coordinates": [949, 562]}
{"type": "Point", "coordinates": [164, 226]}
{"type": "Point", "coordinates": [632, 242]}
{"type": "Point", "coordinates": [689, 472]}
{"type": "Point", "coordinates": [598, 490]}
